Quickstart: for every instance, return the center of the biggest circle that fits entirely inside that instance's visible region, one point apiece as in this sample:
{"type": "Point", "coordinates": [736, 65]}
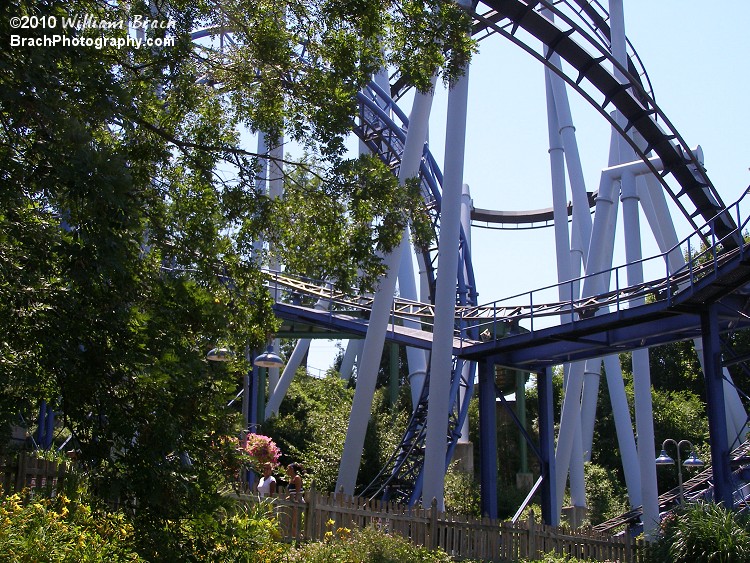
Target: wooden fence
{"type": "Point", "coordinates": [24, 470]}
{"type": "Point", "coordinates": [460, 536]}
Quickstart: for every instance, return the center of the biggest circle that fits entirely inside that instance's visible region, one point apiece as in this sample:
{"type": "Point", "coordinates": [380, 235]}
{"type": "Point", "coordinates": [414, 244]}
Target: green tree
{"type": "Point", "coordinates": [129, 210]}
{"type": "Point", "coordinates": [311, 428]}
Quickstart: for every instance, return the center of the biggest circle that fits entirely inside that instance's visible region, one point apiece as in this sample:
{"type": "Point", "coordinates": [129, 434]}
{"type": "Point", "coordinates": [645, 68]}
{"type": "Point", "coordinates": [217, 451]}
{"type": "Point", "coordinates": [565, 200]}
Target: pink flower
{"type": "Point", "coordinates": [260, 450]}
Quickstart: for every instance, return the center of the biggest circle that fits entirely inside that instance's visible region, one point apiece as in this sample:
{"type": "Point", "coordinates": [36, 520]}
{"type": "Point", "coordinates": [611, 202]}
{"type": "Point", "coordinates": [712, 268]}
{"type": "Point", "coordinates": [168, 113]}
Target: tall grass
{"type": "Point", "coordinates": [703, 533]}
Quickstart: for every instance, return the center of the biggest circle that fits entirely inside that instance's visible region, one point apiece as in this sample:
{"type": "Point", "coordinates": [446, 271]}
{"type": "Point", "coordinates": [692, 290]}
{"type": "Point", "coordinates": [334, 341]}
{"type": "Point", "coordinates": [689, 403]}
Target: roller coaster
{"type": "Point", "coordinates": [701, 294]}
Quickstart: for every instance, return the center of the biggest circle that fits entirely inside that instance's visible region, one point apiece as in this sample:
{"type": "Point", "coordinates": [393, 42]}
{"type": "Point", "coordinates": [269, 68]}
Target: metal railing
{"type": "Point", "coordinates": [697, 261]}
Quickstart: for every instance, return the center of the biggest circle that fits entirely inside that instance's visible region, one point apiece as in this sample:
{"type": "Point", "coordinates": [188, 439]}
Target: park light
{"type": "Point", "coordinates": [268, 359]}
{"type": "Point", "coordinates": [220, 355]}
{"type": "Point", "coordinates": [691, 461]}
{"type": "Point", "coordinates": [664, 459]}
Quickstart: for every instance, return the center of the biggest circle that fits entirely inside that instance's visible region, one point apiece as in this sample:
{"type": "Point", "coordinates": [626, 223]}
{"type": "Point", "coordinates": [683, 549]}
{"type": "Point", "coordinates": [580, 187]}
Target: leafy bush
{"type": "Point", "coordinates": [604, 492]}
{"type": "Point", "coordinates": [238, 533]}
{"type": "Point", "coordinates": [703, 532]}
{"type": "Point", "coordinates": [364, 546]}
{"type": "Point", "coordinates": [461, 492]}
{"type": "Point", "coordinates": [60, 530]}
{"type": "Point", "coordinates": [553, 557]}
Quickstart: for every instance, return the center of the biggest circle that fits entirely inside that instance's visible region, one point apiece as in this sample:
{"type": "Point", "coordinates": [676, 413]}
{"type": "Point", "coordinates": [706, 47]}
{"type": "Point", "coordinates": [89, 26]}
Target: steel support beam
{"type": "Point", "coordinates": [550, 510]}
{"type": "Point", "coordinates": [487, 438]}
{"type": "Point", "coordinates": [717, 422]}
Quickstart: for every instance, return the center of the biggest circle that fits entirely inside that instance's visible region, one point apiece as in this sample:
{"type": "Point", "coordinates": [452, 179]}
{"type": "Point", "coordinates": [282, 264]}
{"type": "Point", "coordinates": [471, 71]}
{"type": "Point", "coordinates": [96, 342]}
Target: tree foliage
{"type": "Point", "coordinates": [311, 428]}
{"type": "Point", "coordinates": [130, 207]}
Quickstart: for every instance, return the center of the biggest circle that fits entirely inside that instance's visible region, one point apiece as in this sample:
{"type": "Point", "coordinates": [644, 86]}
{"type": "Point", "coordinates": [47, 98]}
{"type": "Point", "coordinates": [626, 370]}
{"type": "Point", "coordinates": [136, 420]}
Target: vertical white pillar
{"type": "Point", "coordinates": [641, 371]}
{"type": "Point", "coordinates": [261, 180]}
{"type": "Point", "coordinates": [466, 207]}
{"type": "Point", "coordinates": [275, 191]}
{"type": "Point", "coordinates": [445, 296]}
{"type": "Point", "coordinates": [565, 268]}
{"type": "Point", "coordinates": [644, 417]}
{"type": "Point", "coordinates": [600, 258]}
{"type": "Point", "coordinates": [373, 347]}
{"type": "Point", "coordinates": [407, 285]}
{"type": "Point", "coordinates": [353, 350]}
{"type": "Point", "coordinates": [581, 214]}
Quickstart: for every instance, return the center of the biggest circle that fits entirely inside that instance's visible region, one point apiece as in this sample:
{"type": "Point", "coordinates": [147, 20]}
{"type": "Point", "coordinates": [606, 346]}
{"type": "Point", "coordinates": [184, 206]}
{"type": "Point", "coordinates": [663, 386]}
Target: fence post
{"type": "Point", "coordinates": [339, 518]}
{"type": "Point", "coordinates": [309, 511]}
{"type": "Point", "coordinates": [628, 541]}
{"type": "Point", "coordinates": [433, 525]}
{"type": "Point", "coordinates": [532, 537]}
{"type": "Point", "coordinates": [21, 474]}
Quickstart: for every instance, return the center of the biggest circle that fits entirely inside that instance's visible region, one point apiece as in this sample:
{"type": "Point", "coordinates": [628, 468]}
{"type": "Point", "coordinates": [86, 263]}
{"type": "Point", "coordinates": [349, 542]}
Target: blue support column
{"type": "Point", "coordinates": [260, 395]}
{"type": "Point", "coordinates": [50, 429]}
{"type": "Point", "coordinates": [252, 415]}
{"type": "Point", "coordinates": [550, 512]}
{"type": "Point", "coordinates": [488, 438]}
{"type": "Point", "coordinates": [45, 426]}
{"type": "Point", "coordinates": [717, 422]}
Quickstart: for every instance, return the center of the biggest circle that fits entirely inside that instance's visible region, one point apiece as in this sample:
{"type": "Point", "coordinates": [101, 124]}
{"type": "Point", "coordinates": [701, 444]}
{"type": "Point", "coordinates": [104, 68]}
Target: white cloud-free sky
{"type": "Point", "coordinates": [696, 56]}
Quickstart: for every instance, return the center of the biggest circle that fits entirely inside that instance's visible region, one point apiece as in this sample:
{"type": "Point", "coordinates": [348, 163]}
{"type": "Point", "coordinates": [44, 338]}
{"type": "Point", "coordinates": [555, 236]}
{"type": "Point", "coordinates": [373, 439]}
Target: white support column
{"type": "Point", "coordinates": [570, 421]}
{"type": "Point", "coordinates": [282, 385]}
{"type": "Point", "coordinates": [559, 198]}
{"type": "Point", "coordinates": [600, 258]}
{"type": "Point", "coordinates": [571, 444]}
{"type": "Point", "coordinates": [624, 429]}
{"type": "Point", "coordinates": [641, 372]}
{"type": "Point", "coordinates": [565, 268]}
{"type": "Point", "coordinates": [407, 285]}
{"type": "Point", "coordinates": [591, 377]}
{"type": "Point", "coordinates": [567, 131]}
{"type": "Point", "coordinates": [373, 347]}
{"type": "Point", "coordinates": [445, 297]}
{"type": "Point", "coordinates": [644, 415]}
{"type": "Point", "coordinates": [467, 205]}
{"type": "Point", "coordinates": [352, 352]}
{"type": "Point", "coordinates": [261, 180]}
{"type": "Point", "coordinates": [275, 191]}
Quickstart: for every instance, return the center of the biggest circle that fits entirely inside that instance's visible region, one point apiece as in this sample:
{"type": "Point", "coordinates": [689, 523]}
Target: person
{"type": "Point", "coordinates": [294, 489]}
{"type": "Point", "coordinates": [295, 492]}
{"type": "Point", "coordinates": [267, 483]}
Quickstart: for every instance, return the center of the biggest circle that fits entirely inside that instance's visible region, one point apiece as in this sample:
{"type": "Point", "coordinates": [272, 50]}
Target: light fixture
{"type": "Point", "coordinates": [220, 355]}
{"type": "Point", "coordinates": [693, 461]}
{"type": "Point", "coordinates": [268, 359]}
{"type": "Point", "coordinates": [664, 459]}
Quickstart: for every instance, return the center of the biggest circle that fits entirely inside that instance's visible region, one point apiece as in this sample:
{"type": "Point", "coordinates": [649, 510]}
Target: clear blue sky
{"type": "Point", "coordinates": [696, 56]}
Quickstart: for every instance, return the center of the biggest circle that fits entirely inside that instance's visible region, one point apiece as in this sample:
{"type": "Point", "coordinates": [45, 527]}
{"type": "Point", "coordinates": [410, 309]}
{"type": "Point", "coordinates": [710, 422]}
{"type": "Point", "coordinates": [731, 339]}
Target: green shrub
{"type": "Point", "coordinates": [61, 530]}
{"type": "Point", "coordinates": [461, 493]}
{"type": "Point", "coordinates": [605, 493]}
{"type": "Point", "coordinates": [237, 533]}
{"type": "Point", "coordinates": [703, 532]}
{"type": "Point", "coordinates": [364, 546]}
{"type": "Point", "coordinates": [553, 557]}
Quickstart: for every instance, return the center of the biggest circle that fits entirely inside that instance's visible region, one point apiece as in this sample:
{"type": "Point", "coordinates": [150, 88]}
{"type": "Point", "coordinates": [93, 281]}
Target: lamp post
{"type": "Point", "coordinates": [691, 461]}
